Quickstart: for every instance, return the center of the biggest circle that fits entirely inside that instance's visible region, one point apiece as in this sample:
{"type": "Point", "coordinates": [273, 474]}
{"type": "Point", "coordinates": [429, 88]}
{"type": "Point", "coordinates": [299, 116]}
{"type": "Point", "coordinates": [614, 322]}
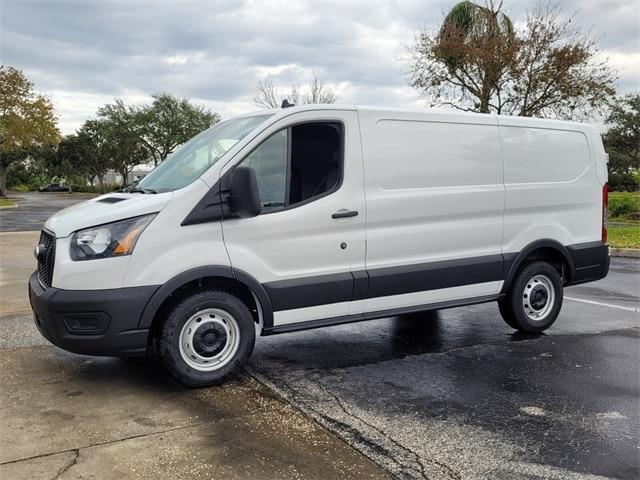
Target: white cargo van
{"type": "Point", "coordinates": [319, 215]}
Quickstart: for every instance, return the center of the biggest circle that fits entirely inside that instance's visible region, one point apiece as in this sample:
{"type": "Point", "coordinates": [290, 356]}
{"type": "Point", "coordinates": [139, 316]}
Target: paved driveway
{"type": "Point", "coordinates": [34, 208]}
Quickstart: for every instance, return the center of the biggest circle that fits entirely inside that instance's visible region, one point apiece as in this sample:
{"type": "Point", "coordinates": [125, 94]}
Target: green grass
{"type": "Point", "coordinates": [632, 202]}
{"type": "Point", "coordinates": [636, 196]}
{"type": "Point", "coordinates": [624, 230]}
{"type": "Point", "coordinates": [6, 202]}
{"type": "Point", "coordinates": [624, 237]}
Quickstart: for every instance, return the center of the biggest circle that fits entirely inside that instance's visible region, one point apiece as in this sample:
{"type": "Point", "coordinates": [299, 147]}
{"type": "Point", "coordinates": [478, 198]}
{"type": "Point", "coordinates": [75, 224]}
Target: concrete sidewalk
{"type": "Point", "coordinates": [105, 418]}
{"type": "Point", "coordinates": [16, 264]}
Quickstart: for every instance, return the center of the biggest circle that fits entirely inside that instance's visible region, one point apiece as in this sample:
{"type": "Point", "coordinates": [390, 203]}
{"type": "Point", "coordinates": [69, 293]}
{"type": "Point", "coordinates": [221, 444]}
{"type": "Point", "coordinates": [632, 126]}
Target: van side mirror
{"type": "Point", "coordinates": [244, 198]}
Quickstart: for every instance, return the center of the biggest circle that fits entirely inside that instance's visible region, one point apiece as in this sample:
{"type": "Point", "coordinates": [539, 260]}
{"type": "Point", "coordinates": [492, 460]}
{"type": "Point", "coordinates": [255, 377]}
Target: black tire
{"type": "Point", "coordinates": [537, 282]}
{"type": "Point", "coordinates": [505, 313]}
{"type": "Point", "coordinates": [169, 349]}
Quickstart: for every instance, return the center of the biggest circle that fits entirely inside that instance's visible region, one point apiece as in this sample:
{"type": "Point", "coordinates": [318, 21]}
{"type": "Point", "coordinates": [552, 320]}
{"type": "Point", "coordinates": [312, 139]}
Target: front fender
{"type": "Point", "coordinates": [210, 271]}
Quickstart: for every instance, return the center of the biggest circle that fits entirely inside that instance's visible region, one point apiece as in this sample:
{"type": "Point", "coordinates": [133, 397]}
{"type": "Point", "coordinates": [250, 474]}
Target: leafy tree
{"type": "Point", "coordinates": [122, 128]}
{"type": "Point", "coordinates": [478, 61]}
{"type": "Point", "coordinates": [70, 160]}
{"type": "Point", "coordinates": [168, 122]}
{"type": "Point", "coordinates": [93, 145]}
{"type": "Point", "coordinates": [27, 120]}
{"type": "Point", "coordinates": [270, 96]}
{"type": "Point", "coordinates": [31, 173]}
{"type": "Point", "coordinates": [124, 136]}
{"type": "Point", "coordinates": [622, 142]}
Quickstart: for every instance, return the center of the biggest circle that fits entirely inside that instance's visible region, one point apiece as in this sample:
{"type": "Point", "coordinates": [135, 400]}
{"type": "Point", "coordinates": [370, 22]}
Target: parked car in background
{"type": "Point", "coordinates": [313, 216]}
{"type": "Point", "coordinates": [54, 187]}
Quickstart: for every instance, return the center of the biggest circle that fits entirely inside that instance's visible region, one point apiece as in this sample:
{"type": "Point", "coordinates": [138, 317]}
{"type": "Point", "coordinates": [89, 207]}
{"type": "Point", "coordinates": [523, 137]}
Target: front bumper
{"type": "Point", "coordinates": [92, 322]}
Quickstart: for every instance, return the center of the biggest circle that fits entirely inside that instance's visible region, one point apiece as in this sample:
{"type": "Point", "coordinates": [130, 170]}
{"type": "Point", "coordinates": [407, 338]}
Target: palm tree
{"type": "Point", "coordinates": [477, 43]}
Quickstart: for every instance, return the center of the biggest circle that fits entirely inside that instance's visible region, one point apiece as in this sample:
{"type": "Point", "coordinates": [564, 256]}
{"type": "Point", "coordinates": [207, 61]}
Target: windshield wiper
{"type": "Point", "coordinates": [141, 190]}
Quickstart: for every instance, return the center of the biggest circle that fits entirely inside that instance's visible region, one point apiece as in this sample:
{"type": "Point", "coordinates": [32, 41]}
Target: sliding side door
{"type": "Point", "coordinates": [435, 203]}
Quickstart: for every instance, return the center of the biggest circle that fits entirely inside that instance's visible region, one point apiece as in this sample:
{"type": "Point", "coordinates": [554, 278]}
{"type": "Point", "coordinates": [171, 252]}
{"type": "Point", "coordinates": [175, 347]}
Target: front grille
{"type": "Point", "coordinates": [46, 258]}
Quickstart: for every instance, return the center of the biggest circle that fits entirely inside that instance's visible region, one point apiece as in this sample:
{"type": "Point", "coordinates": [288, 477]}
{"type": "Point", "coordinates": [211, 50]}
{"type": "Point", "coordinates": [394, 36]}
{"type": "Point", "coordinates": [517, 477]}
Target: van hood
{"type": "Point", "coordinates": [105, 209]}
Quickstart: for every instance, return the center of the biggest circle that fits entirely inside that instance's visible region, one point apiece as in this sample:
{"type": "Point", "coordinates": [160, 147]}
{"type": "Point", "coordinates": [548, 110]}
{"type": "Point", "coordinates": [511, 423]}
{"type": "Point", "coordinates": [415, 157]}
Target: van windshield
{"type": "Point", "coordinates": [197, 155]}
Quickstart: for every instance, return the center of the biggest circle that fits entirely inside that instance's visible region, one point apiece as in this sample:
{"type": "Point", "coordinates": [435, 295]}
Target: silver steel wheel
{"type": "Point", "coordinates": [538, 297]}
{"type": "Point", "coordinates": [209, 339]}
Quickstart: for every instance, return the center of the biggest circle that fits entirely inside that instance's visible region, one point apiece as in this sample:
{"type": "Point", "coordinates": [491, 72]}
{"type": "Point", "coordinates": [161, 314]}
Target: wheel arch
{"type": "Point", "coordinates": [224, 277]}
{"type": "Point", "coordinates": [545, 249]}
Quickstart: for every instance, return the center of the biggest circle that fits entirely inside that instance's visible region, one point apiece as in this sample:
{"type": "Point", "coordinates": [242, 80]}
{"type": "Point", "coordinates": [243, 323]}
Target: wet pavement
{"type": "Point", "coordinates": [33, 209]}
{"type": "Point", "coordinates": [456, 394]}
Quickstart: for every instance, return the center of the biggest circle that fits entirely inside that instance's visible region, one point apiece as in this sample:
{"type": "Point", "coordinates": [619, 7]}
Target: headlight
{"type": "Point", "coordinates": [110, 240]}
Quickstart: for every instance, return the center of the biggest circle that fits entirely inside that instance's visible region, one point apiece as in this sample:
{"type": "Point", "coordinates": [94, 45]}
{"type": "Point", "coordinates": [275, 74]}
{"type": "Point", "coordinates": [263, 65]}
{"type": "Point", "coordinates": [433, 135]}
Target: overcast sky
{"type": "Point", "coordinates": [84, 54]}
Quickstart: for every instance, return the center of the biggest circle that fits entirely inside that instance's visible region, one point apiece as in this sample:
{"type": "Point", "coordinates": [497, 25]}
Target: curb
{"type": "Point", "coordinates": [624, 252]}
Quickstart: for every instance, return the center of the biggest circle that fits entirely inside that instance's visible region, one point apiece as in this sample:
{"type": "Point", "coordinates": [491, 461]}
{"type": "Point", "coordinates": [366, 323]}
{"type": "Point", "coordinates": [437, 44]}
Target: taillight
{"type": "Point", "coordinates": [605, 204]}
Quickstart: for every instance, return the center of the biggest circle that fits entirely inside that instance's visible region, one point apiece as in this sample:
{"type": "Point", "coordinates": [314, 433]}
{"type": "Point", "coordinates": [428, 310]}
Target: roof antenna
{"type": "Point", "coordinates": [286, 104]}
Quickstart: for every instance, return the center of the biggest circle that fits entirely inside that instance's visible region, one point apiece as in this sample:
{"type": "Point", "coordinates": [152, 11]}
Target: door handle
{"type": "Point", "coordinates": [344, 213]}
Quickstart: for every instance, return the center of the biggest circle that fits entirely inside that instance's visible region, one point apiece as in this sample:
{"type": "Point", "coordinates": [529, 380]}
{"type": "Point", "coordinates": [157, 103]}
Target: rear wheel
{"type": "Point", "coordinates": [534, 299]}
{"type": "Point", "coordinates": [206, 337]}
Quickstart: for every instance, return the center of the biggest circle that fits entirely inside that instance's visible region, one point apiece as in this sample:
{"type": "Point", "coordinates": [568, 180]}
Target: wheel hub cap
{"type": "Point", "coordinates": [538, 297]}
{"type": "Point", "coordinates": [209, 339]}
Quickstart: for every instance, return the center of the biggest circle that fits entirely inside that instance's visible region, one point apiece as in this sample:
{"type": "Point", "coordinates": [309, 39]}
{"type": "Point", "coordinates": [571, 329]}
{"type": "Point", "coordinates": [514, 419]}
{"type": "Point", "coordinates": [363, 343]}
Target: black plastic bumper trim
{"type": "Point", "coordinates": [53, 307]}
{"type": "Point", "coordinates": [591, 262]}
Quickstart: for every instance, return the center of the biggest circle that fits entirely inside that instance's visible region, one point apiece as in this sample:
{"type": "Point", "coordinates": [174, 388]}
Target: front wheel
{"type": "Point", "coordinates": [206, 337]}
{"type": "Point", "coordinates": [534, 299]}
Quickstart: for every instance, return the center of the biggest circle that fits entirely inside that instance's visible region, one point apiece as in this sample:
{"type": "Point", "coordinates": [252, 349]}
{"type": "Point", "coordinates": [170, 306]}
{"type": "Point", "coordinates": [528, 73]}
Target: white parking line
{"type": "Point", "coordinates": [601, 304]}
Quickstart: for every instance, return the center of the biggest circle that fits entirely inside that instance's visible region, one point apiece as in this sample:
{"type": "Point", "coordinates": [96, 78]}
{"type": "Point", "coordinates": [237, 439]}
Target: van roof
{"type": "Point", "coordinates": [430, 113]}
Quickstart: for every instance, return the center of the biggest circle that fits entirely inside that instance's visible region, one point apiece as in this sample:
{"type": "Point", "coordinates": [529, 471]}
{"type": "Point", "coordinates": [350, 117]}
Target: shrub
{"type": "Point", "coordinates": [624, 203]}
{"type": "Point", "coordinates": [624, 182]}
{"type": "Point", "coordinates": [96, 188]}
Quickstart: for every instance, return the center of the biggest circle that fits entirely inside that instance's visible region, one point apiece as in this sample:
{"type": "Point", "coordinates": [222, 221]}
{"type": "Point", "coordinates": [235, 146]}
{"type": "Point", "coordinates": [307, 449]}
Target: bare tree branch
{"type": "Point", "coordinates": [270, 96]}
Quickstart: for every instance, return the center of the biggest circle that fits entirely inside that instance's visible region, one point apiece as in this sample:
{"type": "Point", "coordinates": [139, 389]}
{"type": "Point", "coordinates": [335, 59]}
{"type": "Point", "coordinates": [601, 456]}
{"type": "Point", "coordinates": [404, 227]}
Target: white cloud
{"type": "Point", "coordinates": [85, 54]}
{"type": "Point", "coordinates": [177, 60]}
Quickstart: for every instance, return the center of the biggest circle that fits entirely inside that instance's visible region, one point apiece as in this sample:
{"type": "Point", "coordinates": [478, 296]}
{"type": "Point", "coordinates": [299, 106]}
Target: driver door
{"type": "Point", "coordinates": [310, 235]}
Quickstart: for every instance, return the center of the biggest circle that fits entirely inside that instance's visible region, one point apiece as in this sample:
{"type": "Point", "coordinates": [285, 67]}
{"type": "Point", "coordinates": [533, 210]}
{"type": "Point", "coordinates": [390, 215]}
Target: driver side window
{"type": "Point", "coordinates": [298, 164]}
{"type": "Point", "coordinates": [269, 161]}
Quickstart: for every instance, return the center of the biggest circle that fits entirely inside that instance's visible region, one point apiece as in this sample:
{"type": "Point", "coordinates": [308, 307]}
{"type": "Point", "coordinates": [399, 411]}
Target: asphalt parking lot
{"type": "Point", "coordinates": [453, 394]}
{"type": "Point", "coordinates": [34, 208]}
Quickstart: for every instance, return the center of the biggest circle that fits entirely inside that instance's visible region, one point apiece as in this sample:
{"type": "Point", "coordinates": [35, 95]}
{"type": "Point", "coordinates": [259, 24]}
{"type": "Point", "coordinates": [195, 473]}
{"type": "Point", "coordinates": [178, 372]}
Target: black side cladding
{"type": "Point", "coordinates": [308, 292]}
{"type": "Point", "coordinates": [380, 282]}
